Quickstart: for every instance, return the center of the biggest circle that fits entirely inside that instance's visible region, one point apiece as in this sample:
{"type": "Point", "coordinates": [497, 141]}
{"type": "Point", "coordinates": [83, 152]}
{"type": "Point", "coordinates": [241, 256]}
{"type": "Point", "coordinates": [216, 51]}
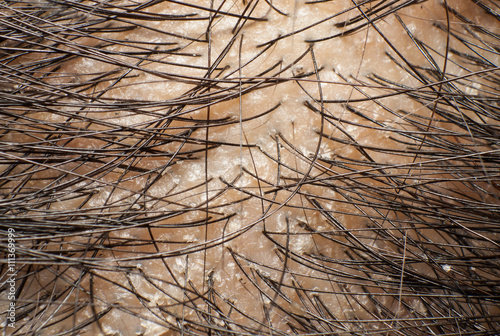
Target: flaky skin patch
{"type": "Point", "coordinates": [250, 167]}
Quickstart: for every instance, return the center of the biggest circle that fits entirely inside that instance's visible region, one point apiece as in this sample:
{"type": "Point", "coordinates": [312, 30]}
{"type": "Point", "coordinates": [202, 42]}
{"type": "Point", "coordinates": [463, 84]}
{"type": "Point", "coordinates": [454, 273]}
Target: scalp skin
{"type": "Point", "coordinates": [250, 167]}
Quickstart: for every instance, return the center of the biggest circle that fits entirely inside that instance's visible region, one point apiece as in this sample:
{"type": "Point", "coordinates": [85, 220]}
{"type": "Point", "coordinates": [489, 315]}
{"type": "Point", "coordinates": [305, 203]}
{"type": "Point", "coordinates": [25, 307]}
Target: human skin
{"type": "Point", "coordinates": [262, 168]}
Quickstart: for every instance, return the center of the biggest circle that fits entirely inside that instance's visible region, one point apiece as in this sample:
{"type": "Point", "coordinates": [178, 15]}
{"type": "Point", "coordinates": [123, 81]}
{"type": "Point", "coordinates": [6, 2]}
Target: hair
{"type": "Point", "coordinates": [250, 167]}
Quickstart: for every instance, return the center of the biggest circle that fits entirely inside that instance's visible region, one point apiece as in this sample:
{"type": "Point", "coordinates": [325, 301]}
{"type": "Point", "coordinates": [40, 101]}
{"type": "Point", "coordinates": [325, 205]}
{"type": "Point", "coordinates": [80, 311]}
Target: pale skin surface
{"type": "Point", "coordinates": [254, 168]}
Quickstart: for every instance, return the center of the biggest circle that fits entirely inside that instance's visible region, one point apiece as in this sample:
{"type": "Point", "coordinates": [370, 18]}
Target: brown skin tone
{"type": "Point", "coordinates": [251, 168]}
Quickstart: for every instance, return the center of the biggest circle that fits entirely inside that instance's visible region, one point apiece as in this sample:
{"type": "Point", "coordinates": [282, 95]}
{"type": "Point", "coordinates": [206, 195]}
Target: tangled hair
{"type": "Point", "coordinates": [250, 167]}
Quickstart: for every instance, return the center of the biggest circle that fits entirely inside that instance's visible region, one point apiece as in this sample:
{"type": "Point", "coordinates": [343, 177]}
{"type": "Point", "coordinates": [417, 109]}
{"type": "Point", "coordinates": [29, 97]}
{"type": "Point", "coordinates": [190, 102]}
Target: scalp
{"type": "Point", "coordinates": [251, 167]}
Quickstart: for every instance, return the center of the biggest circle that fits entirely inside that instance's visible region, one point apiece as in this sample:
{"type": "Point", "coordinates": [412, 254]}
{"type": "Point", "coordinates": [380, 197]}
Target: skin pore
{"type": "Point", "coordinates": [250, 167]}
